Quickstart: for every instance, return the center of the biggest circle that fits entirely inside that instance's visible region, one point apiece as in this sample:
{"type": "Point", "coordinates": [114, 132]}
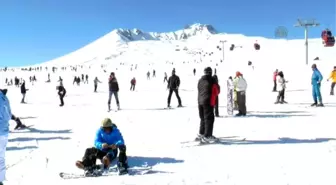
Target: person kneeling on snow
{"type": "Point", "coordinates": [107, 142]}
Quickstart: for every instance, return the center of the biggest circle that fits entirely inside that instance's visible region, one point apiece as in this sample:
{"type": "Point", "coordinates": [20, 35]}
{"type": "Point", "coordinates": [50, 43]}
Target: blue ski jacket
{"type": "Point", "coordinates": [113, 138]}
{"type": "Point", "coordinates": [5, 114]}
{"type": "Point", "coordinates": [316, 77]}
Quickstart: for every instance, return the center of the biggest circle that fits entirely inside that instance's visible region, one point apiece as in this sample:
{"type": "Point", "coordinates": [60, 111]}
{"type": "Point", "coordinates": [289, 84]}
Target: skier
{"type": "Point", "coordinates": [95, 82]}
{"type": "Point", "coordinates": [86, 79]}
{"type": "Point", "coordinates": [194, 71]}
{"type": "Point", "coordinates": [133, 82]}
{"type": "Point", "coordinates": [19, 124]}
{"type": "Point", "coordinates": [23, 91]}
{"type": "Point", "coordinates": [61, 94]}
{"type": "Point", "coordinates": [316, 83]}
{"type": "Point", "coordinates": [165, 78]}
{"type": "Point", "coordinates": [148, 75]}
{"type": "Point", "coordinates": [60, 80]}
{"type": "Point", "coordinates": [207, 92]}
{"type": "Point", "coordinates": [154, 75]}
{"type": "Point", "coordinates": [240, 86]}
{"type": "Point", "coordinates": [6, 114]}
{"type": "Point", "coordinates": [230, 89]}
{"type": "Point", "coordinates": [113, 90]}
{"type": "Point", "coordinates": [281, 88]}
{"type": "Point", "coordinates": [275, 74]}
{"type": "Point", "coordinates": [333, 77]}
{"type": "Point", "coordinates": [173, 85]}
{"type": "Point", "coordinates": [215, 79]}
{"type": "Point", "coordinates": [107, 142]}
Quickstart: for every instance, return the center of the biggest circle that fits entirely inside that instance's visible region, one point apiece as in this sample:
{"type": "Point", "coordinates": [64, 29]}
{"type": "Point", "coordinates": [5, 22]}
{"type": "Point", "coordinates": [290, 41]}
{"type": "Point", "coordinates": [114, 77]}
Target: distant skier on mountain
{"type": "Point", "coordinates": [316, 85]}
{"type": "Point", "coordinates": [281, 83]}
{"type": "Point", "coordinates": [154, 73]}
{"type": "Point", "coordinates": [61, 93]}
{"type": "Point", "coordinates": [148, 75]}
{"type": "Point", "coordinates": [95, 82]}
{"type": "Point", "coordinates": [165, 78]}
{"type": "Point", "coordinates": [133, 83]}
{"type": "Point", "coordinates": [333, 77]}
{"type": "Point", "coordinates": [23, 91]}
{"type": "Point", "coordinates": [6, 114]}
{"type": "Point", "coordinates": [207, 93]}
{"type": "Point", "coordinates": [107, 142]}
{"type": "Point", "coordinates": [113, 90]}
{"type": "Point", "coordinates": [194, 71]}
{"type": "Point", "coordinates": [173, 85]}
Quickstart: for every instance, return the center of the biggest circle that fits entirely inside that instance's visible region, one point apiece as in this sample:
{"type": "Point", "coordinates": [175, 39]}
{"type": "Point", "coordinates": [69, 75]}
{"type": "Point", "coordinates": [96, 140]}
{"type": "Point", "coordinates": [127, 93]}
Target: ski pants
{"type": "Point", "coordinates": [241, 100]}
{"type": "Point", "coordinates": [274, 85]}
{"type": "Point", "coordinates": [3, 145]}
{"type": "Point", "coordinates": [177, 96]}
{"type": "Point", "coordinates": [332, 88]}
{"type": "Point", "coordinates": [216, 107]}
{"type": "Point", "coordinates": [317, 93]}
{"type": "Point", "coordinates": [95, 87]}
{"type": "Point", "coordinates": [206, 114]}
{"type": "Point", "coordinates": [115, 93]}
{"type": "Point", "coordinates": [132, 87]}
{"type": "Point", "coordinates": [281, 96]}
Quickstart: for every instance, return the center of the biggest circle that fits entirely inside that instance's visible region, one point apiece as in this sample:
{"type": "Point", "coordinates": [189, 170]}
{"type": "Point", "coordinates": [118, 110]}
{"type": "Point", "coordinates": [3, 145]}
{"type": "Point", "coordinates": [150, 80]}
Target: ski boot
{"type": "Point", "coordinates": [123, 168]}
{"type": "Point", "coordinates": [180, 105]}
{"type": "Point", "coordinates": [199, 137]}
{"type": "Point", "coordinates": [210, 139]}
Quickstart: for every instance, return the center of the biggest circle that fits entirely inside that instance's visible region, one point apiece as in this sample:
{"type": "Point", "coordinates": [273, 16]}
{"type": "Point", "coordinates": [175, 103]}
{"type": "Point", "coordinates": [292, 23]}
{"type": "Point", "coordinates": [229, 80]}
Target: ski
{"type": "Point", "coordinates": [228, 141]}
{"type": "Point", "coordinates": [113, 171]}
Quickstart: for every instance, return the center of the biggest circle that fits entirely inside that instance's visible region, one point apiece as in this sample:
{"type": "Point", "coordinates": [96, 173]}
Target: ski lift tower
{"type": "Point", "coordinates": [223, 42]}
{"type": "Point", "coordinates": [306, 24]}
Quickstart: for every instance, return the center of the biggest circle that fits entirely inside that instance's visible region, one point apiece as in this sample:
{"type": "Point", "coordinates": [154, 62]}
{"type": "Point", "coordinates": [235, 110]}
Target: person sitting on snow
{"type": "Point", "coordinates": [107, 142]}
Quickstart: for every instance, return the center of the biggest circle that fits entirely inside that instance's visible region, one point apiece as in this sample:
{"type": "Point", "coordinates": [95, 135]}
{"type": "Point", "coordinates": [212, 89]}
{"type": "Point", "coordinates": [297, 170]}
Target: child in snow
{"type": "Point", "coordinates": [281, 86]}
{"type": "Point", "coordinates": [107, 142]}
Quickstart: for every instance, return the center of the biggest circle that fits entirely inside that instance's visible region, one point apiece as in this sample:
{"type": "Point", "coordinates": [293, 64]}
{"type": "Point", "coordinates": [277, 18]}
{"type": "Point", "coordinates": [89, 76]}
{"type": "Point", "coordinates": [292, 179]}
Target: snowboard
{"type": "Point", "coordinates": [113, 171]}
{"type": "Point", "coordinates": [229, 105]}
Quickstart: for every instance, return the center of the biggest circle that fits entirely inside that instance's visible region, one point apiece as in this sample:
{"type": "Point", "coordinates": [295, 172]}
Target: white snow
{"type": "Point", "coordinates": [289, 144]}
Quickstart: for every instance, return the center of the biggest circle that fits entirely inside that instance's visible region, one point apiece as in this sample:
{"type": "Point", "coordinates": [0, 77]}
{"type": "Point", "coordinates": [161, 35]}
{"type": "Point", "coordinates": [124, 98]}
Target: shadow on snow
{"type": "Point", "coordinates": [137, 161]}
{"type": "Point", "coordinates": [34, 130]}
{"type": "Point", "coordinates": [21, 139]}
{"type": "Point", "coordinates": [270, 116]}
{"type": "Point", "coordinates": [283, 140]}
{"type": "Point", "coordinates": [13, 148]}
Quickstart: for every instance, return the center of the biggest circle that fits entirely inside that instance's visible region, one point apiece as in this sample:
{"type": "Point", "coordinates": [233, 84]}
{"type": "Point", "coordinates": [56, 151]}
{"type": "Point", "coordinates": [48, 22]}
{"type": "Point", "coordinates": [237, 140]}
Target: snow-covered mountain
{"type": "Point", "coordinates": [188, 31]}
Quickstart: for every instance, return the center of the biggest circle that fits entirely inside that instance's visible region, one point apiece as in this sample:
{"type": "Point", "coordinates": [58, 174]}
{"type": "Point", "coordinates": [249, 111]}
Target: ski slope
{"type": "Point", "coordinates": [290, 144]}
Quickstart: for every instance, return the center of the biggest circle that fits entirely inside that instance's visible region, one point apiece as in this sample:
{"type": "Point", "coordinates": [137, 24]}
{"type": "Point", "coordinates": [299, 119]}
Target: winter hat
{"type": "Point", "coordinates": [238, 74]}
{"type": "Point", "coordinates": [107, 122]}
{"type": "Point", "coordinates": [314, 66]}
{"type": "Point", "coordinates": [4, 91]}
{"type": "Point", "coordinates": [208, 71]}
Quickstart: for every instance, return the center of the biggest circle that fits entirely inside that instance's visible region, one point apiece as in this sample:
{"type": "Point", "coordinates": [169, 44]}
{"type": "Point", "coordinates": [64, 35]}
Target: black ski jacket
{"type": "Point", "coordinates": [205, 85]}
{"type": "Point", "coordinates": [173, 82]}
{"type": "Point", "coordinates": [113, 84]}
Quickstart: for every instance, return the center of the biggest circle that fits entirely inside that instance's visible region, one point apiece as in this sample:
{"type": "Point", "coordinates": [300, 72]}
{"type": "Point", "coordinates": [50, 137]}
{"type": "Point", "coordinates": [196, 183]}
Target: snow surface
{"type": "Point", "coordinates": [289, 144]}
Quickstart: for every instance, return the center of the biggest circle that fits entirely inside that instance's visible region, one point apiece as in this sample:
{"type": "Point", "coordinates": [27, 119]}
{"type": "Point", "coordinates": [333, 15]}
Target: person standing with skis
{"type": "Point", "coordinates": [113, 90]}
{"type": "Point", "coordinates": [173, 85]}
{"type": "Point", "coordinates": [207, 93]}
{"type": "Point", "coordinates": [5, 117]}
{"type": "Point", "coordinates": [316, 86]}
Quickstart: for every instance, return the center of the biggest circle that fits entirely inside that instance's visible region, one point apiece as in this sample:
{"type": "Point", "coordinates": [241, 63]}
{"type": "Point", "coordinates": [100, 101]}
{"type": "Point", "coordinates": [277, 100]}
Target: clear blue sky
{"type": "Point", "coordinates": [35, 31]}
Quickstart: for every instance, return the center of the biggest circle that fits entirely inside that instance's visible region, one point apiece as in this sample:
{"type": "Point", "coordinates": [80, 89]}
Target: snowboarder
{"type": "Point", "coordinates": [215, 78]}
{"type": "Point", "coordinates": [240, 85]}
{"type": "Point", "coordinates": [61, 94]}
{"type": "Point", "coordinates": [95, 82]}
{"type": "Point", "coordinates": [207, 92]}
{"type": "Point", "coordinates": [316, 84]}
{"type": "Point", "coordinates": [173, 85]}
{"type": "Point", "coordinates": [333, 77]}
{"type": "Point", "coordinates": [133, 82]}
{"type": "Point", "coordinates": [107, 142]}
{"type": "Point", "coordinates": [23, 91]}
{"type": "Point", "coordinates": [113, 90]}
{"type": "Point", "coordinates": [275, 74]}
{"type": "Point", "coordinates": [281, 82]}
{"type": "Point", "coordinates": [6, 114]}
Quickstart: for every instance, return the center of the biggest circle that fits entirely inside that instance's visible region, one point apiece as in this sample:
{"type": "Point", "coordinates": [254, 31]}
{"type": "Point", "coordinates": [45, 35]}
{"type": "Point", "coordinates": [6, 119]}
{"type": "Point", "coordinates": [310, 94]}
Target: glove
{"type": "Point", "coordinates": [105, 145]}
{"type": "Point", "coordinates": [113, 147]}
